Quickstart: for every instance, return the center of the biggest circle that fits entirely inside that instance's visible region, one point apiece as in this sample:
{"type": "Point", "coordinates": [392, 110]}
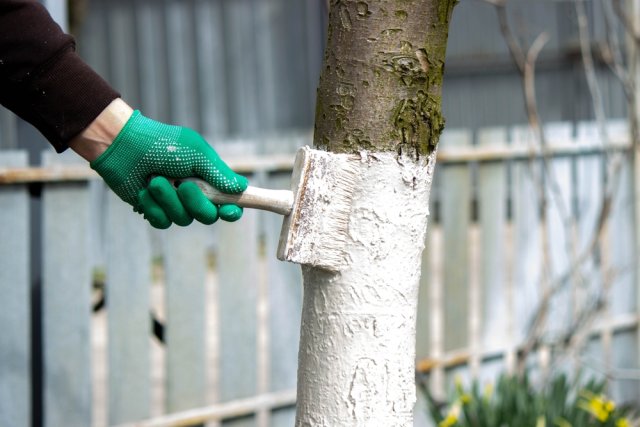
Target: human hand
{"type": "Point", "coordinates": [144, 148]}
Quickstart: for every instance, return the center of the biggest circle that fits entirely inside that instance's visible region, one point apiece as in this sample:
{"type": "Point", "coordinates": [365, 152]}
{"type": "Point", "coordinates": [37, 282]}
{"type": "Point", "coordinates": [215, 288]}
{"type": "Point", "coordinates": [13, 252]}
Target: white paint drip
{"type": "Point", "coordinates": [357, 349]}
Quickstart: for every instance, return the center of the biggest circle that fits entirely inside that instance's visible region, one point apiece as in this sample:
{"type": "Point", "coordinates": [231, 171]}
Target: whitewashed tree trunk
{"type": "Point", "coordinates": [379, 103]}
{"type": "Point", "coordinates": [357, 350]}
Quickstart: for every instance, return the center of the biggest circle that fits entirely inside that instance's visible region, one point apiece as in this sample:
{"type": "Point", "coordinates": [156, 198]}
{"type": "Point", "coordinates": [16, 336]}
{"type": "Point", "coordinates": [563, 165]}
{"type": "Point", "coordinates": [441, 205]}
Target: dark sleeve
{"type": "Point", "coordinates": [42, 79]}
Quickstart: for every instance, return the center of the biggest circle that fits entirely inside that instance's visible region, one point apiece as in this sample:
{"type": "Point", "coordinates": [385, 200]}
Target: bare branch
{"type": "Point", "coordinates": [626, 22]}
{"type": "Point", "coordinates": [529, 74]}
{"type": "Point", "coordinates": [516, 51]}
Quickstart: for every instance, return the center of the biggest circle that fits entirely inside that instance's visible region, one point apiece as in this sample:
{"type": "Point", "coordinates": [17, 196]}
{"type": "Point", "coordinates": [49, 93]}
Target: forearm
{"type": "Point", "coordinates": [42, 79]}
{"type": "Point", "coordinates": [95, 139]}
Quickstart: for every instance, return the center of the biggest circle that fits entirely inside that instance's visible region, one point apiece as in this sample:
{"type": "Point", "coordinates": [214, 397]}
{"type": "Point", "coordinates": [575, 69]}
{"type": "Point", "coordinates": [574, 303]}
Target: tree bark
{"type": "Point", "coordinates": [378, 105]}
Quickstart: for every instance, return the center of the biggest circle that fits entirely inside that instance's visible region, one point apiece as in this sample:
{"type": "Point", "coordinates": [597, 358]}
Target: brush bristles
{"type": "Point", "coordinates": [318, 226]}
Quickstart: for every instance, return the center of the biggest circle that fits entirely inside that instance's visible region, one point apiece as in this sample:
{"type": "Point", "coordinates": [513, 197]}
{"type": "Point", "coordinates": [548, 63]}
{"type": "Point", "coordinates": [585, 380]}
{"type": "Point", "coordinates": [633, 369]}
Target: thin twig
{"type": "Point", "coordinates": [626, 22]}
{"type": "Point", "coordinates": [612, 54]}
{"type": "Point", "coordinates": [526, 66]}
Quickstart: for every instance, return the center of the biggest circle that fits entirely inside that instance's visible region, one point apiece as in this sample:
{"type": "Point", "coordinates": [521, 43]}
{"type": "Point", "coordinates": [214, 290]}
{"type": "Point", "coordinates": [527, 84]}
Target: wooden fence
{"type": "Point", "coordinates": [230, 311]}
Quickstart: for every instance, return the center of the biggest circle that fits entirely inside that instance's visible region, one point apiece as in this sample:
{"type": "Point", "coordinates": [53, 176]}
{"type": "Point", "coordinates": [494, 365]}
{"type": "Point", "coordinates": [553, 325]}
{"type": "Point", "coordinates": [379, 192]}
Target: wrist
{"type": "Point", "coordinates": [98, 136]}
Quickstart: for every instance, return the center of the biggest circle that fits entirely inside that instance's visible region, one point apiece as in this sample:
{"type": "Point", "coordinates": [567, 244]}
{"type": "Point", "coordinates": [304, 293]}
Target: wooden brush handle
{"type": "Point", "coordinates": [277, 201]}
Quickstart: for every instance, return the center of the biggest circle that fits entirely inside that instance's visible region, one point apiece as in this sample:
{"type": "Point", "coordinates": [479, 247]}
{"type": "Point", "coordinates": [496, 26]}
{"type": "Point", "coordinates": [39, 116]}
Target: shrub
{"type": "Point", "coordinates": [514, 402]}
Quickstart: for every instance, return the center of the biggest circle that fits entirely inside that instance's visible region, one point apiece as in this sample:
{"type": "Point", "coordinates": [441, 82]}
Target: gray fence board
{"type": "Point", "coordinates": [623, 297]}
{"type": "Point", "coordinates": [455, 195]}
{"type": "Point", "coordinates": [237, 282]}
{"type": "Point", "coordinates": [560, 230]}
{"type": "Point", "coordinates": [527, 237]}
{"type": "Point", "coordinates": [127, 294]}
{"type": "Point", "coordinates": [621, 242]}
{"type": "Point", "coordinates": [492, 197]}
{"type": "Point", "coordinates": [589, 202]}
{"type": "Point", "coordinates": [185, 266]}
{"type": "Point", "coordinates": [424, 315]}
{"type": "Point", "coordinates": [285, 302]}
{"type": "Point", "coordinates": [66, 302]}
{"type": "Point", "coordinates": [15, 351]}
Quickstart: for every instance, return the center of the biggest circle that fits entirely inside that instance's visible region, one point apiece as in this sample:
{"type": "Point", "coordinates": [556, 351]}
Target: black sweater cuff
{"type": "Point", "coordinates": [63, 98]}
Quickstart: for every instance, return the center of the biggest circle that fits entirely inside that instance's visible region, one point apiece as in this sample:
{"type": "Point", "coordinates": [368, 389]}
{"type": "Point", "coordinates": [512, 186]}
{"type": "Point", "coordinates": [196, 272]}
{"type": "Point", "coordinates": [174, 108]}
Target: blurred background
{"type": "Point", "coordinates": [531, 254]}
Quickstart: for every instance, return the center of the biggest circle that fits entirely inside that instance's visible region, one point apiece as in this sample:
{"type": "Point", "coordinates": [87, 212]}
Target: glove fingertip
{"type": "Point", "coordinates": [155, 222]}
{"type": "Point", "coordinates": [230, 213]}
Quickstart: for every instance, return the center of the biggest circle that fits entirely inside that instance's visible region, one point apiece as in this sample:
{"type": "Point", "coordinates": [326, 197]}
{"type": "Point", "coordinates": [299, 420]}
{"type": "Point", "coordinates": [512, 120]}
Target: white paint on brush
{"type": "Point", "coordinates": [357, 349]}
{"type": "Point", "coordinates": [323, 185]}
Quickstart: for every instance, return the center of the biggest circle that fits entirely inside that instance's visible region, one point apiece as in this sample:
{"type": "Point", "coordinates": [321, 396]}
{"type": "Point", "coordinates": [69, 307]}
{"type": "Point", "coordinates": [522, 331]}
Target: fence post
{"type": "Point", "coordinates": [634, 61]}
{"type": "Point", "coordinates": [560, 223]}
{"type": "Point", "coordinates": [237, 290]}
{"type": "Point", "coordinates": [455, 192]}
{"type": "Point", "coordinates": [127, 295]}
{"type": "Point", "coordinates": [66, 285]}
{"type": "Point", "coordinates": [185, 268]}
{"type": "Point", "coordinates": [284, 283]}
{"type": "Point", "coordinates": [495, 295]}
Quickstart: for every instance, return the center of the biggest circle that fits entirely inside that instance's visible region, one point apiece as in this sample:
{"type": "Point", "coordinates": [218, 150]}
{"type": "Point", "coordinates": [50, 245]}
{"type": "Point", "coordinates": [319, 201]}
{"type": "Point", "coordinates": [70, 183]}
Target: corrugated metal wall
{"type": "Point", "coordinates": [240, 67]}
{"type": "Point", "coordinates": [225, 67]}
{"type": "Point", "coordinates": [482, 86]}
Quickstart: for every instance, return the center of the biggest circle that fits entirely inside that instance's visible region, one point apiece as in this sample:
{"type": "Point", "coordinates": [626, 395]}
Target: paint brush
{"type": "Point", "coordinates": [316, 209]}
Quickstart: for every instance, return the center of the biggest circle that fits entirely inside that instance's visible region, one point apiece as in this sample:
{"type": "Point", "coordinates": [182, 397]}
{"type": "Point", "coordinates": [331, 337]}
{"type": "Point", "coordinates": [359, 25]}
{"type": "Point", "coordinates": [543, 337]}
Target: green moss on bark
{"type": "Point", "coordinates": [382, 81]}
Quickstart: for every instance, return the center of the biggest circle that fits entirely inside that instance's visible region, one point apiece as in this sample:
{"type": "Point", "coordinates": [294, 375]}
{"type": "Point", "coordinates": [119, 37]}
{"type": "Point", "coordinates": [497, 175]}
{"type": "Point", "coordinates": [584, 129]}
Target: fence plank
{"type": "Point", "coordinates": [15, 377]}
{"type": "Point", "coordinates": [527, 237]}
{"type": "Point", "coordinates": [127, 295]}
{"type": "Point", "coordinates": [560, 230]}
{"type": "Point", "coordinates": [185, 266]}
{"type": "Point", "coordinates": [237, 281]}
{"type": "Point", "coordinates": [285, 307]}
{"type": "Point", "coordinates": [624, 291]}
{"type": "Point", "coordinates": [424, 346]}
{"type": "Point", "coordinates": [590, 181]}
{"type": "Point", "coordinates": [492, 197]}
{"type": "Point", "coordinates": [455, 195]}
{"type": "Point", "coordinates": [66, 302]}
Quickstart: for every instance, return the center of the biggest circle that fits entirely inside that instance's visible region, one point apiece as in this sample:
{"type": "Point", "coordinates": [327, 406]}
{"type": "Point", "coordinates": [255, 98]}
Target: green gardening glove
{"type": "Point", "coordinates": [144, 148]}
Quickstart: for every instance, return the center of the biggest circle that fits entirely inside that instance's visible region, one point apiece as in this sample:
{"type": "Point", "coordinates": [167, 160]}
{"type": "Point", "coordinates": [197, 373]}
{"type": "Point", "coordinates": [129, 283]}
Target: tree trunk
{"type": "Point", "coordinates": [378, 104]}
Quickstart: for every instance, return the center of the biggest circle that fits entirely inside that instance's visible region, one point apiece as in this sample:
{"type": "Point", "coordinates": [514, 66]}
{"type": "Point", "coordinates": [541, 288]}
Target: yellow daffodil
{"type": "Point", "coordinates": [449, 421]}
{"type": "Point", "coordinates": [452, 417]}
{"type": "Point", "coordinates": [598, 406]}
{"type": "Point", "coordinates": [622, 422]}
{"type": "Point", "coordinates": [465, 398]}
